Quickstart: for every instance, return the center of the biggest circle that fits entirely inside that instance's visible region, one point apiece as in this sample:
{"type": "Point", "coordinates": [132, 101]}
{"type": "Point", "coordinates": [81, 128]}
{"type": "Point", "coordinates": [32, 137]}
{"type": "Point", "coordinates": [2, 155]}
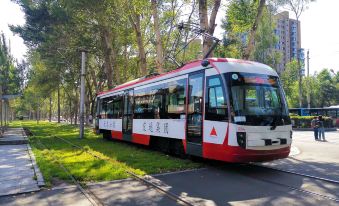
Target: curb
{"type": "Point", "coordinates": [19, 193]}
{"type": "Point", "coordinates": [294, 151]}
{"type": "Point", "coordinates": [310, 129]}
{"type": "Point", "coordinates": [40, 179]}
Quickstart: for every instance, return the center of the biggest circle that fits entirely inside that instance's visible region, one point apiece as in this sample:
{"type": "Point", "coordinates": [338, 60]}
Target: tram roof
{"type": "Point", "coordinates": [184, 70]}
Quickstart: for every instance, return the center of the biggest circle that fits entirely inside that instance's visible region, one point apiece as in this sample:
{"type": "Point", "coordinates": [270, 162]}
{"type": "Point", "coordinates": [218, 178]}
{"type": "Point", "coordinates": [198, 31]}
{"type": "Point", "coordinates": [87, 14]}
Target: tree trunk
{"type": "Point", "coordinates": [106, 38]}
{"type": "Point", "coordinates": [50, 109]}
{"type": "Point", "coordinates": [208, 27]}
{"type": "Point", "coordinates": [203, 23]}
{"type": "Point", "coordinates": [76, 108]}
{"type": "Point", "coordinates": [37, 114]}
{"type": "Point", "coordinates": [159, 59]}
{"type": "Point", "coordinates": [59, 104]}
{"type": "Point", "coordinates": [87, 108]}
{"type": "Point", "coordinates": [94, 81]}
{"type": "Point", "coordinates": [116, 68]}
{"type": "Point", "coordinates": [70, 111]}
{"type": "Point", "coordinates": [142, 55]}
{"type": "Point", "coordinates": [250, 45]}
{"type": "Point", "coordinates": [125, 63]}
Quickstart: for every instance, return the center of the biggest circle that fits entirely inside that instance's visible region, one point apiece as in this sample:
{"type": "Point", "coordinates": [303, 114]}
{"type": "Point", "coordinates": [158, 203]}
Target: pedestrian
{"type": "Point", "coordinates": [314, 125]}
{"type": "Point", "coordinates": [321, 130]}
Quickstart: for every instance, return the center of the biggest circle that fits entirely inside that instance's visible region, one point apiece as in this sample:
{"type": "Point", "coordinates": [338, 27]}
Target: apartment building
{"type": "Point", "coordinates": [289, 39]}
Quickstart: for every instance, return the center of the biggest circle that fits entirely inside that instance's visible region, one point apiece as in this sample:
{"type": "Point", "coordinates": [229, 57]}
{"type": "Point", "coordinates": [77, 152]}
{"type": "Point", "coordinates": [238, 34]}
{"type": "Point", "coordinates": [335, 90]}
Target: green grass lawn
{"type": "Point", "coordinates": [87, 168]}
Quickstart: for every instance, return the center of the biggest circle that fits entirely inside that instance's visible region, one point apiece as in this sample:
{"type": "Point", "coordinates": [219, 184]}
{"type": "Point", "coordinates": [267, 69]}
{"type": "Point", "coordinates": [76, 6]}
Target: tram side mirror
{"type": "Point", "coordinates": [205, 63]}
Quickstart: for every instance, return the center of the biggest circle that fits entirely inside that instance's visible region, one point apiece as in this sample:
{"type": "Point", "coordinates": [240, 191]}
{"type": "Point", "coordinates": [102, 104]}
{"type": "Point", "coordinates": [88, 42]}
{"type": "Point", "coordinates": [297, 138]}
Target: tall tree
{"type": "Point", "coordinates": [265, 41]}
{"type": "Point", "coordinates": [327, 88]}
{"type": "Point", "coordinates": [136, 9]}
{"type": "Point", "coordinates": [159, 48]}
{"type": "Point", "coordinates": [238, 24]}
{"type": "Point", "coordinates": [208, 25]}
{"type": "Point", "coordinates": [289, 77]}
{"type": "Point", "coordinates": [10, 80]}
{"type": "Point", "coordinates": [253, 30]}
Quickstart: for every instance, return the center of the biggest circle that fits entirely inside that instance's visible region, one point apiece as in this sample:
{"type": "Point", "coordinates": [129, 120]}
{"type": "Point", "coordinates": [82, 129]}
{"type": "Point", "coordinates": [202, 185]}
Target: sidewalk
{"type": "Point", "coordinates": [18, 170]}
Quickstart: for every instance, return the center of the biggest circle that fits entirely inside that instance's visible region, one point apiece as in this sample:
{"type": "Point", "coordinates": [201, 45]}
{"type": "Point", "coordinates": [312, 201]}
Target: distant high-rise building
{"type": "Point", "coordinates": [289, 41]}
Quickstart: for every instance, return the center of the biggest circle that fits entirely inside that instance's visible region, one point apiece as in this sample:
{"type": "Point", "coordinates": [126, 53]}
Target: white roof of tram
{"type": "Point", "coordinates": [223, 65]}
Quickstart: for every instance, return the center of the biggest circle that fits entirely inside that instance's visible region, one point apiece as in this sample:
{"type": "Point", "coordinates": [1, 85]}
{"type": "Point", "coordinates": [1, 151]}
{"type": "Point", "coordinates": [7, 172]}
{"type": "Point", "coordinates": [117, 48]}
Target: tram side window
{"type": "Point", "coordinates": [176, 99]}
{"type": "Point", "coordinates": [117, 107]}
{"type": "Point", "coordinates": [109, 109]}
{"type": "Point", "coordinates": [143, 103]}
{"type": "Point", "coordinates": [103, 109]}
{"type": "Point", "coordinates": [216, 106]}
{"type": "Point", "coordinates": [163, 101]}
{"type": "Point", "coordinates": [98, 107]}
{"type": "Point", "coordinates": [157, 104]}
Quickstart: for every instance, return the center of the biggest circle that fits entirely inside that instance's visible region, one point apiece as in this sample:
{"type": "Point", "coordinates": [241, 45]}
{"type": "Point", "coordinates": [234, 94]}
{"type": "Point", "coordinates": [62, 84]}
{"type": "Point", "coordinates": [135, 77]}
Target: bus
{"type": "Point", "coordinates": [332, 111]}
{"type": "Point", "coordinates": [219, 108]}
{"type": "Point", "coordinates": [327, 111]}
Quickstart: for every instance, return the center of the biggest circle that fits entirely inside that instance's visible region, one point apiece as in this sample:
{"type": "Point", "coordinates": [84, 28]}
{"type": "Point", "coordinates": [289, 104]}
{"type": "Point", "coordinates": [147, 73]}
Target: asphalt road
{"type": "Point", "coordinates": [316, 158]}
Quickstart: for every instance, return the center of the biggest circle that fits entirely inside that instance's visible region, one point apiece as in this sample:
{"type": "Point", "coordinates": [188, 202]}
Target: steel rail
{"type": "Point", "coordinates": [296, 173]}
{"type": "Point", "coordinates": [137, 177]}
{"type": "Point", "coordinates": [87, 193]}
{"type": "Point", "coordinates": [295, 188]}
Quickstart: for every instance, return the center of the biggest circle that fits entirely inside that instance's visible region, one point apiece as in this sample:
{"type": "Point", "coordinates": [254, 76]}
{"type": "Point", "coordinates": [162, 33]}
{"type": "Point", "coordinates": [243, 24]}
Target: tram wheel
{"type": "Point", "coordinates": [106, 135]}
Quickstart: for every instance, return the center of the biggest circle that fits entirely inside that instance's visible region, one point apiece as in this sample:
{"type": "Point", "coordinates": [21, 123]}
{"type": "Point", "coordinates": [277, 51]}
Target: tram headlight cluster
{"type": "Point", "coordinates": [241, 138]}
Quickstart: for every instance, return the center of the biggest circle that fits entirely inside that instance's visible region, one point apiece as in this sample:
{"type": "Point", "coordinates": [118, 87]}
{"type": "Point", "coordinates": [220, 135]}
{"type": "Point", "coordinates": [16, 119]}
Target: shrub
{"type": "Point", "coordinates": [305, 121]}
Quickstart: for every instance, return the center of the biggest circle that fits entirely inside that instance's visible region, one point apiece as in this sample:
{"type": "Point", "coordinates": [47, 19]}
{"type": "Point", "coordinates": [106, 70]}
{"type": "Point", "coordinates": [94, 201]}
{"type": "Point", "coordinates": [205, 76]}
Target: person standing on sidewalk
{"type": "Point", "coordinates": [314, 125]}
{"type": "Point", "coordinates": [321, 129]}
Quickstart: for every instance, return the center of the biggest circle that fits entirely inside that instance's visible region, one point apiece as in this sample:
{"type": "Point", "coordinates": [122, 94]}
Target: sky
{"type": "Point", "coordinates": [319, 31]}
{"type": "Point", "coordinates": [10, 13]}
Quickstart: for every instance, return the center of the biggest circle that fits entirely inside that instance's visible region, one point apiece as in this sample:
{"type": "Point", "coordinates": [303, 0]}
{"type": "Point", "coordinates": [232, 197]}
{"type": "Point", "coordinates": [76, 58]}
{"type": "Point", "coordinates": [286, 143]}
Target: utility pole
{"type": "Point", "coordinates": [82, 93]}
{"type": "Point", "coordinates": [50, 109]}
{"type": "Point", "coordinates": [308, 63]}
{"type": "Point", "coordinates": [300, 79]}
{"type": "Point", "coordinates": [308, 80]}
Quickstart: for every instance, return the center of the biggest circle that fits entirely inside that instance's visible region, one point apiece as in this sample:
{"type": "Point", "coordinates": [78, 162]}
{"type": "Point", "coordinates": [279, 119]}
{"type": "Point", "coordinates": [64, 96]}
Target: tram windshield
{"type": "Point", "coordinates": [257, 99]}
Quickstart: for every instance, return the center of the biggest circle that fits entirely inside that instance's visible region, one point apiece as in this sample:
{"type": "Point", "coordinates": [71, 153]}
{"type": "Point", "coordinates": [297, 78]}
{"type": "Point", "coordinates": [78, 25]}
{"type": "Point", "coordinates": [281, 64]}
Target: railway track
{"type": "Point", "coordinates": [297, 173]}
{"type": "Point", "coordinates": [95, 201]}
{"type": "Point", "coordinates": [255, 165]}
{"type": "Point", "coordinates": [184, 202]}
{"type": "Point", "coordinates": [89, 195]}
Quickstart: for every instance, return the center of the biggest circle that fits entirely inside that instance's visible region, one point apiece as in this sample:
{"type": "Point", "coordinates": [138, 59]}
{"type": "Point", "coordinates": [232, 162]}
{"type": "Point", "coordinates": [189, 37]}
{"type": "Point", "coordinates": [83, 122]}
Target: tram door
{"type": "Point", "coordinates": [127, 117]}
{"type": "Point", "coordinates": [194, 113]}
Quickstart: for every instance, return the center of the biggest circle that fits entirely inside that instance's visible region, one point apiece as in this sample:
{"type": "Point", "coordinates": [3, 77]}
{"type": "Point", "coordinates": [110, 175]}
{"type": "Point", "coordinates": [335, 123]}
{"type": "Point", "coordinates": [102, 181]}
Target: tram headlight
{"type": "Point", "coordinates": [241, 138]}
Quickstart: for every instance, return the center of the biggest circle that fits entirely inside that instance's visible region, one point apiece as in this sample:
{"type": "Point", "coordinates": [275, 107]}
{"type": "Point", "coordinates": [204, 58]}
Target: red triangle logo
{"type": "Point", "coordinates": [213, 132]}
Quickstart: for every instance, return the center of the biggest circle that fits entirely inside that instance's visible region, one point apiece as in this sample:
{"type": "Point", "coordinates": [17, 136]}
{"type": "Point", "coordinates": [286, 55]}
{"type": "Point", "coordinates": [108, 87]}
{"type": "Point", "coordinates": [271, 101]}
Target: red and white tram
{"type": "Point", "coordinates": [223, 109]}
